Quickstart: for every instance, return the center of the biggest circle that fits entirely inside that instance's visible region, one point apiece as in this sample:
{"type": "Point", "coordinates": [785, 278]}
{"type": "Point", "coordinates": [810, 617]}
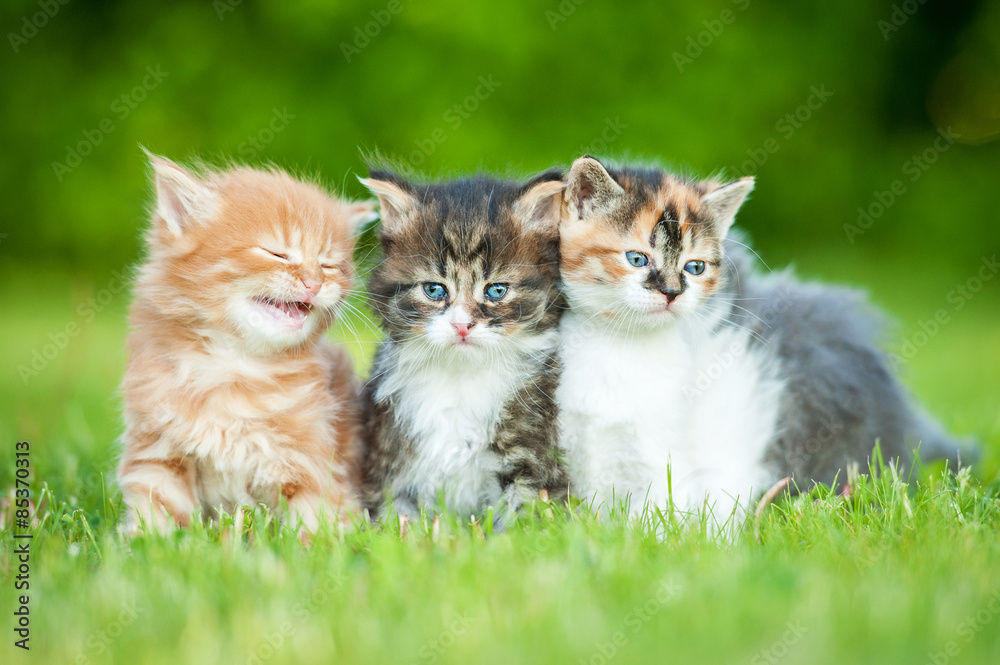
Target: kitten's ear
{"type": "Point", "coordinates": [722, 204]}
{"type": "Point", "coordinates": [182, 199]}
{"type": "Point", "coordinates": [590, 188]}
{"type": "Point", "coordinates": [395, 202]}
{"type": "Point", "coordinates": [360, 213]}
{"type": "Point", "coordinates": [540, 207]}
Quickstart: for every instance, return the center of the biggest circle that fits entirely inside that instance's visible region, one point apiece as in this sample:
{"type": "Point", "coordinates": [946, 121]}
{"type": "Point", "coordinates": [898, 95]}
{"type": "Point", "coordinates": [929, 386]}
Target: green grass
{"type": "Point", "coordinates": [893, 574]}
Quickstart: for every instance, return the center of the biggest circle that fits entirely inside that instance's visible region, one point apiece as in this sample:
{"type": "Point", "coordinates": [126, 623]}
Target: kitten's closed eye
{"type": "Point", "coordinates": [277, 255]}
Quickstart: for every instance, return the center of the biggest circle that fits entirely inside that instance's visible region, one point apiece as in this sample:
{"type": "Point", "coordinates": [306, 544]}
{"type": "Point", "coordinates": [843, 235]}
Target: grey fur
{"type": "Point", "coordinates": [841, 394]}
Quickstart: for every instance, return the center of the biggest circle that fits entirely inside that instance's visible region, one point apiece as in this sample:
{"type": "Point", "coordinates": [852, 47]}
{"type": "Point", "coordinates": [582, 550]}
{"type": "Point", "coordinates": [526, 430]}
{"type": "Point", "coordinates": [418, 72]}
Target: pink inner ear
{"type": "Point", "coordinates": [584, 191]}
{"type": "Point", "coordinates": [181, 199]}
{"type": "Point", "coordinates": [172, 207]}
{"type": "Point", "coordinates": [592, 186]}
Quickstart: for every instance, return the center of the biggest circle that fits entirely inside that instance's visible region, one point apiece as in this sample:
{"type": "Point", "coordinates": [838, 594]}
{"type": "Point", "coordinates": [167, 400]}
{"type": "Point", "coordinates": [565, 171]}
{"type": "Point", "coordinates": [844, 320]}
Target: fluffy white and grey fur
{"type": "Point", "coordinates": [706, 390]}
{"type": "Point", "coordinates": [461, 400]}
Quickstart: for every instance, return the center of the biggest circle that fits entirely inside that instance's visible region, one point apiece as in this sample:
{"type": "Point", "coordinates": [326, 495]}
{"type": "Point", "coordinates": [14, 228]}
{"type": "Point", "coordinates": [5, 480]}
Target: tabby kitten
{"type": "Point", "coordinates": [232, 397]}
{"type": "Point", "coordinates": [460, 402]}
{"type": "Point", "coordinates": [676, 355]}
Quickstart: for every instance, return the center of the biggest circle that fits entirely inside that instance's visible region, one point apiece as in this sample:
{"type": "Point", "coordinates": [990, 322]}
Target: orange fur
{"type": "Point", "coordinates": [232, 396]}
{"type": "Point", "coordinates": [592, 249]}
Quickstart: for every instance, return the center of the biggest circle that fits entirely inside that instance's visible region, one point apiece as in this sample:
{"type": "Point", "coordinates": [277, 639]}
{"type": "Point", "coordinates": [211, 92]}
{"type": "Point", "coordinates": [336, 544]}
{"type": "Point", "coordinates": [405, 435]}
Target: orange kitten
{"type": "Point", "coordinates": [232, 397]}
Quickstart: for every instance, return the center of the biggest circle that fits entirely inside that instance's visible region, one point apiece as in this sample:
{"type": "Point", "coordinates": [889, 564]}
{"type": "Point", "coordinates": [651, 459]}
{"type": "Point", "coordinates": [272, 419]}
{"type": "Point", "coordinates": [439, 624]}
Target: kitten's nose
{"type": "Point", "coordinates": [463, 328]}
{"type": "Point", "coordinates": [312, 286]}
{"type": "Point", "coordinates": [671, 294]}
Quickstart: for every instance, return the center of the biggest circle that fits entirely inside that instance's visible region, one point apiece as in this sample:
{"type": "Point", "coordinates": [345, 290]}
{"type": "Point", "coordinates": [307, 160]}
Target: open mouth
{"type": "Point", "coordinates": [290, 314]}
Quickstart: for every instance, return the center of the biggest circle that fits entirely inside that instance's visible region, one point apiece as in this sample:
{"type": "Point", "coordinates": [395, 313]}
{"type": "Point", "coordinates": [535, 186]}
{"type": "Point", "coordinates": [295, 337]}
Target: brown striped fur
{"type": "Point", "coordinates": [489, 446]}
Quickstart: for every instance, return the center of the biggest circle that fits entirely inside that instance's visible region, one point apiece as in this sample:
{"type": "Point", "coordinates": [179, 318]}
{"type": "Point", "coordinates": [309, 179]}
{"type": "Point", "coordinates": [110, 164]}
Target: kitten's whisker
{"type": "Point", "coordinates": [752, 250]}
{"type": "Point", "coordinates": [732, 304]}
{"type": "Point", "coordinates": [735, 271]}
{"type": "Point", "coordinates": [753, 333]}
{"type": "Point", "coordinates": [364, 318]}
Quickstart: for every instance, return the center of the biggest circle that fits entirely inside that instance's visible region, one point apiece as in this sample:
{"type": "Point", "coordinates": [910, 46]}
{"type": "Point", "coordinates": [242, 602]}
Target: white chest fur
{"type": "Point", "coordinates": [450, 412]}
{"type": "Point", "coordinates": [675, 412]}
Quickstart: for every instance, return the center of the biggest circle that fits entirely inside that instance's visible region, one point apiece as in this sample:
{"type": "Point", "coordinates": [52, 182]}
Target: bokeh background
{"type": "Point", "coordinates": [871, 127]}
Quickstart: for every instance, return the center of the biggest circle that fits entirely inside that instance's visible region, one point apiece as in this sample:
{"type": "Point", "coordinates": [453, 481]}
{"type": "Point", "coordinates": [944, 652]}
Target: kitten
{"type": "Point", "coordinates": [232, 397]}
{"type": "Point", "coordinates": [675, 353]}
{"type": "Point", "coordinates": [460, 402]}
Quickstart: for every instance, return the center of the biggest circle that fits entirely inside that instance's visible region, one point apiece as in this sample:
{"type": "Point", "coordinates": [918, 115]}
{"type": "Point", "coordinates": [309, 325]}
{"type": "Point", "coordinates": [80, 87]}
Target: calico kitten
{"type": "Point", "coordinates": [460, 403]}
{"type": "Point", "coordinates": [232, 397]}
{"type": "Point", "coordinates": [675, 353]}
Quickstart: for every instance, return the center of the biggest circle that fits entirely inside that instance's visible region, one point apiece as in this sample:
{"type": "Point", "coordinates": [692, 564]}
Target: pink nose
{"type": "Point", "coordinates": [312, 286]}
{"type": "Point", "coordinates": [463, 329]}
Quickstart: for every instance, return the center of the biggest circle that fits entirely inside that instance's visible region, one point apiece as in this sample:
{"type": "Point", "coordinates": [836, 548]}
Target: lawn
{"type": "Point", "coordinates": [900, 572]}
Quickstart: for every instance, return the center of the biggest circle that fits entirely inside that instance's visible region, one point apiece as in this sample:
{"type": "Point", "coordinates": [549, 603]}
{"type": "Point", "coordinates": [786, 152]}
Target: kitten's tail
{"type": "Point", "coordinates": [935, 444]}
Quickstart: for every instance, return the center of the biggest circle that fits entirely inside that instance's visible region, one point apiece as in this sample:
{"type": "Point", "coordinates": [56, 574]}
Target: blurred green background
{"type": "Point", "coordinates": [837, 109]}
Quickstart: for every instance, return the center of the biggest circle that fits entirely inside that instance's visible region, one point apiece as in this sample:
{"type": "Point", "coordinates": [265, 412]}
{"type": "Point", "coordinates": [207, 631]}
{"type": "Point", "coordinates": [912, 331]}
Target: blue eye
{"type": "Point", "coordinates": [496, 291]}
{"type": "Point", "coordinates": [695, 267]}
{"type": "Point", "coordinates": [435, 291]}
{"type": "Point", "coordinates": [638, 259]}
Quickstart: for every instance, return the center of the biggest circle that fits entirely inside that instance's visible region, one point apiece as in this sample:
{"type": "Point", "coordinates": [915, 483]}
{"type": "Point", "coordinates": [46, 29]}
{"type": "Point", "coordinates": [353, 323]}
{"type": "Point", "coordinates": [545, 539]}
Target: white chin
{"type": "Point", "coordinates": [279, 322]}
{"type": "Point", "coordinates": [662, 315]}
{"type": "Point", "coordinates": [651, 317]}
{"type": "Point", "coordinates": [663, 312]}
{"type": "Point", "coordinates": [456, 345]}
{"type": "Point", "coordinates": [453, 346]}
